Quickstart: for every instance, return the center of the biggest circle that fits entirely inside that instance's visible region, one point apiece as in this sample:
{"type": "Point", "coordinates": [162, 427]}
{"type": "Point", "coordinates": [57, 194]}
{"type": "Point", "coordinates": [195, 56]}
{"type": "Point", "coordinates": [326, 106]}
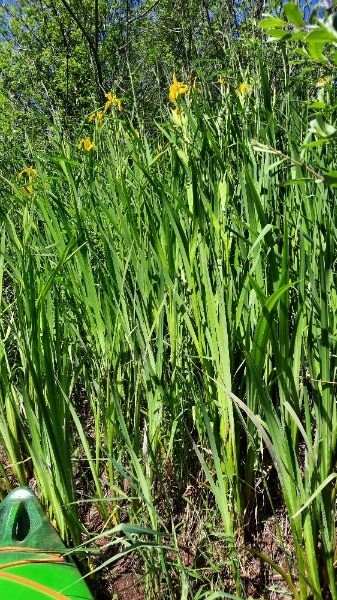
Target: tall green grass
{"type": "Point", "coordinates": [167, 299]}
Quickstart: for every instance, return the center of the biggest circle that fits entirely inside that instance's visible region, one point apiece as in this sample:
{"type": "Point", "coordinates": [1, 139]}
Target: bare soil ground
{"type": "Point", "coordinates": [124, 578]}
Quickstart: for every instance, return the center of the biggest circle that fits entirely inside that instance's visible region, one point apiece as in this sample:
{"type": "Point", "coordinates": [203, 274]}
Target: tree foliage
{"type": "Point", "coordinates": [59, 55]}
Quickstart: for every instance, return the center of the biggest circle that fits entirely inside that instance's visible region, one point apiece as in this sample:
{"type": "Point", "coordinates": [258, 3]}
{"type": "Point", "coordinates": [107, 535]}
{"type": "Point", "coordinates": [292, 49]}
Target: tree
{"type": "Point", "coordinates": [59, 57]}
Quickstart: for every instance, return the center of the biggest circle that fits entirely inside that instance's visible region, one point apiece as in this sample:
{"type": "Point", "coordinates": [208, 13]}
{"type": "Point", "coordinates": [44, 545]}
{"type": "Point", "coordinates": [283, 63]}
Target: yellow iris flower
{"type": "Point", "coordinates": [323, 81]}
{"type": "Point", "coordinates": [98, 116]}
{"type": "Point", "coordinates": [177, 88]}
{"type": "Point", "coordinates": [27, 190]}
{"type": "Point", "coordinates": [31, 172]}
{"type": "Point", "coordinates": [112, 99]}
{"type": "Point", "coordinates": [86, 144]}
{"type": "Point", "coordinates": [244, 88]}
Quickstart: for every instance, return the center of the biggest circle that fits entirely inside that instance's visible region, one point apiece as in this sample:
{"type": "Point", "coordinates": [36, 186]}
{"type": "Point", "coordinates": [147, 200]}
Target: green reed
{"type": "Point", "coordinates": [169, 297]}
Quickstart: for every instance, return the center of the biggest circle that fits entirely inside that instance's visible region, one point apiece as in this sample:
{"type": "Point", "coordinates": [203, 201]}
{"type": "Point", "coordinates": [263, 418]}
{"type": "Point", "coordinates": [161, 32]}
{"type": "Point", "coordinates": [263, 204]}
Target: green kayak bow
{"type": "Point", "coordinates": [33, 560]}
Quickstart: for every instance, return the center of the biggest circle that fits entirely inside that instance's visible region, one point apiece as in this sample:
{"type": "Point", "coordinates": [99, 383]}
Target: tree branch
{"type": "Point", "coordinates": [92, 49]}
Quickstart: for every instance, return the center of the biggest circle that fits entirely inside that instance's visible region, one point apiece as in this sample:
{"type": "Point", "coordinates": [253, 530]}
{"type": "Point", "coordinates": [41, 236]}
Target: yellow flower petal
{"type": "Point", "coordinates": [322, 81]}
{"type": "Point", "coordinates": [112, 99]}
{"type": "Point", "coordinates": [31, 172]}
{"type": "Point", "coordinates": [107, 104]}
{"type": "Point", "coordinates": [244, 88]}
{"type": "Point", "coordinates": [98, 116]}
{"type": "Point", "coordinates": [177, 88]}
{"type": "Point", "coordinates": [86, 144]}
{"type": "Point", "coordinates": [173, 92]}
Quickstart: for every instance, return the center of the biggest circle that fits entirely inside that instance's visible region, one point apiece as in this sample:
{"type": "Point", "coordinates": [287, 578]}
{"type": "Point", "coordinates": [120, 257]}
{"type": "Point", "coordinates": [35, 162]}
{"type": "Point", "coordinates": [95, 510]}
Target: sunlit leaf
{"type": "Point", "coordinates": [321, 36]}
{"type": "Point", "coordinates": [271, 22]}
{"type": "Point", "coordinates": [293, 14]}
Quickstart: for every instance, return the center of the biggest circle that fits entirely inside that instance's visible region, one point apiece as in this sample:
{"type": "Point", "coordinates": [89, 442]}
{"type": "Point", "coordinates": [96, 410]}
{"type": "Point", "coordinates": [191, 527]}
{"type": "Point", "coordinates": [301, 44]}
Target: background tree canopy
{"type": "Point", "coordinates": [60, 55]}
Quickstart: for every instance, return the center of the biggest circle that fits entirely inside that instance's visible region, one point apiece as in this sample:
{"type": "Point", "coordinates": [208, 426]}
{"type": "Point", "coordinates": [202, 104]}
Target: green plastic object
{"type": "Point", "coordinates": [33, 560]}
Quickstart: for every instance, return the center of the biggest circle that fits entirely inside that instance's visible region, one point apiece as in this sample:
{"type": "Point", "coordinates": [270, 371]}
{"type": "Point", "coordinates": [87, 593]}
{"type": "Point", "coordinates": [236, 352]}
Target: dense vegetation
{"type": "Point", "coordinates": [168, 301]}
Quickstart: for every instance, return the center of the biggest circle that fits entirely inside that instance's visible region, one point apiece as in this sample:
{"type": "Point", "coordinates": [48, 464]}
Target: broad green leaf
{"type": "Point", "coordinates": [321, 36]}
{"type": "Point", "coordinates": [277, 34]}
{"type": "Point", "coordinates": [293, 14]}
{"type": "Point", "coordinates": [271, 22]}
{"type": "Point", "coordinates": [299, 35]}
{"type": "Point", "coordinates": [315, 50]}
